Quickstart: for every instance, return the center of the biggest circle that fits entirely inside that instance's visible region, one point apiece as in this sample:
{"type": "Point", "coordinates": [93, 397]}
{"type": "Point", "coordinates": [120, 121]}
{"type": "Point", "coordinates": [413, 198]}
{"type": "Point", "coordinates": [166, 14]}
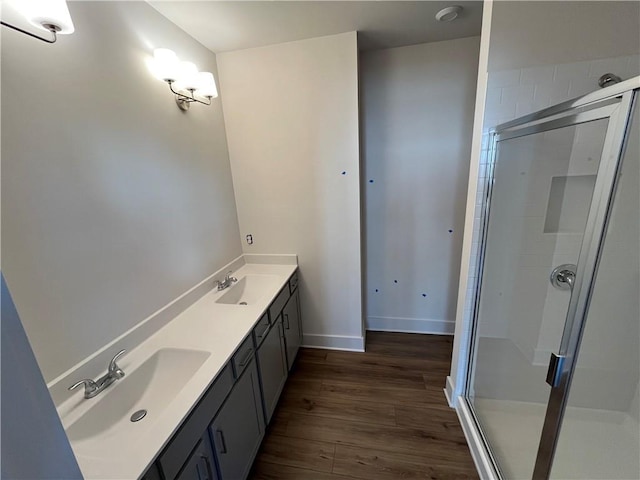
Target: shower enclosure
{"type": "Point", "coordinates": [555, 362]}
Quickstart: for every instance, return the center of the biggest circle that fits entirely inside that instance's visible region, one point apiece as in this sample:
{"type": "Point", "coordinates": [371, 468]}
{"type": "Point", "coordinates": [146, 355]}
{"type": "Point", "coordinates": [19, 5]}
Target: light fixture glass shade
{"type": "Point", "coordinates": [206, 85]}
{"type": "Point", "coordinates": [165, 64]}
{"type": "Point", "coordinates": [188, 76]}
{"type": "Point", "coordinates": [46, 12]}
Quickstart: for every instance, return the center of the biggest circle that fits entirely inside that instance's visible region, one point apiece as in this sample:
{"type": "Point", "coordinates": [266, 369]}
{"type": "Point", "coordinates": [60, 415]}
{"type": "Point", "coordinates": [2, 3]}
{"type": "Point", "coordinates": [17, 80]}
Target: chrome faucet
{"type": "Point", "coordinates": [93, 388]}
{"type": "Point", "coordinates": [226, 283]}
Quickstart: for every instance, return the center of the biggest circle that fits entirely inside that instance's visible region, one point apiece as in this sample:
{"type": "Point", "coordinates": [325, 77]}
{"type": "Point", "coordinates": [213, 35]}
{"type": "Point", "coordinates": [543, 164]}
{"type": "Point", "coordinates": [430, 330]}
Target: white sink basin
{"type": "Point", "coordinates": [249, 290]}
{"type": "Point", "coordinates": [152, 386]}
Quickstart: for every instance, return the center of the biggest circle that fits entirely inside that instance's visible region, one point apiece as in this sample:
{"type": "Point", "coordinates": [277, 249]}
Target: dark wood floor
{"type": "Point", "coordinates": [375, 415]}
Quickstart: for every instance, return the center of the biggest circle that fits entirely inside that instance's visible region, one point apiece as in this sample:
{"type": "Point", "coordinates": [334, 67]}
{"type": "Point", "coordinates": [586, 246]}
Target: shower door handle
{"type": "Point", "coordinates": [555, 369]}
{"type": "Point", "coordinates": [563, 276]}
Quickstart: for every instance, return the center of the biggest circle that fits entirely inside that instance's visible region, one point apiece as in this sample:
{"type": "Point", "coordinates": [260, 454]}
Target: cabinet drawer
{"type": "Point", "coordinates": [243, 356]}
{"type": "Point", "coordinates": [278, 304]}
{"type": "Point", "coordinates": [293, 282]}
{"type": "Point", "coordinates": [261, 329]}
{"type": "Point", "coordinates": [172, 459]}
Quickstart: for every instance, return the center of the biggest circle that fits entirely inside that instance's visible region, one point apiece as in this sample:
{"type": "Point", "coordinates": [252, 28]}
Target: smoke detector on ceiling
{"type": "Point", "coordinates": [449, 14]}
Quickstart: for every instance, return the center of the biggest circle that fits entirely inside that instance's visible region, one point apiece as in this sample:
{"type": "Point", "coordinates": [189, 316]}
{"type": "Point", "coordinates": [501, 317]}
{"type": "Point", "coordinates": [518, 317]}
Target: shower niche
{"type": "Point", "coordinates": [568, 205]}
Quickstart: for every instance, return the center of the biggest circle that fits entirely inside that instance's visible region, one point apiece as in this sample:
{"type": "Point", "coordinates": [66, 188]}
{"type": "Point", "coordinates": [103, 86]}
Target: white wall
{"type": "Point", "coordinates": [417, 113]}
{"type": "Point", "coordinates": [535, 33]}
{"type": "Point", "coordinates": [463, 329]}
{"type": "Point", "coordinates": [566, 62]}
{"type": "Point", "coordinates": [291, 113]}
{"type": "Point", "coordinates": [114, 201]}
{"type": "Point", "coordinates": [34, 444]}
{"type": "Point", "coordinates": [634, 407]}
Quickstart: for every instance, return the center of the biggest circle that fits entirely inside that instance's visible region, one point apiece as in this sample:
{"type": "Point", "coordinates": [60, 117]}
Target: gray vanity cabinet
{"type": "Point", "coordinates": [200, 465]}
{"type": "Point", "coordinates": [238, 428]}
{"type": "Point", "coordinates": [273, 367]}
{"type": "Point", "coordinates": [189, 438]}
{"type": "Point", "coordinates": [292, 328]}
{"type": "Point", "coordinates": [221, 436]}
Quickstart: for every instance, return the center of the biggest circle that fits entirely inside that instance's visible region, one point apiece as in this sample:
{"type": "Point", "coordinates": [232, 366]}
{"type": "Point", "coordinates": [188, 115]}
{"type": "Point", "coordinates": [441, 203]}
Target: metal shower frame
{"type": "Point", "coordinates": [615, 103]}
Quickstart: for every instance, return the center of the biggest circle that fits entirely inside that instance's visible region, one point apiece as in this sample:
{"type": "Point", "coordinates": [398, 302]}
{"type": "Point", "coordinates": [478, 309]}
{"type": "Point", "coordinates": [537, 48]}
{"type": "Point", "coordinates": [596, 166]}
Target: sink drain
{"type": "Point", "coordinates": [139, 415]}
{"type": "Point", "coordinates": [243, 303]}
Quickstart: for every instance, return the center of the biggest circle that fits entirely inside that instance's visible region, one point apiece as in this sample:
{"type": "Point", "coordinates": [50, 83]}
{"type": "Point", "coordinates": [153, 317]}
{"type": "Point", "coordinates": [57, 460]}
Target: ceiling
{"type": "Point", "coordinates": [224, 26]}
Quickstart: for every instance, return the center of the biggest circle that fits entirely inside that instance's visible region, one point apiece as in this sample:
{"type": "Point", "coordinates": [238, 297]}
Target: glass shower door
{"type": "Point", "coordinates": [600, 432]}
{"type": "Point", "coordinates": [544, 177]}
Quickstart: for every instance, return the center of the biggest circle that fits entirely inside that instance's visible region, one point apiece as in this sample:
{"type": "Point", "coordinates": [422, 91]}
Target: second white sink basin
{"type": "Point", "coordinates": [249, 290]}
{"type": "Point", "coordinates": [152, 386]}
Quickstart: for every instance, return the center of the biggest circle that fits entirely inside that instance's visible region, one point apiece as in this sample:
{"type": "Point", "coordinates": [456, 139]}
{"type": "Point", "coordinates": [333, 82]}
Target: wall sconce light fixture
{"type": "Point", "coordinates": [49, 15]}
{"type": "Point", "coordinates": [184, 80]}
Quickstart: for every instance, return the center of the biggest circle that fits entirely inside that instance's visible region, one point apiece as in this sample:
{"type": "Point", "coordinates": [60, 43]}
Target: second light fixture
{"type": "Point", "coordinates": [184, 79]}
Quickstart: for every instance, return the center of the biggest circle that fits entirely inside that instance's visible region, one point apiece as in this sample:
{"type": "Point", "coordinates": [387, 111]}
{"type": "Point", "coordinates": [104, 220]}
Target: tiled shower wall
{"type": "Point", "coordinates": [512, 94]}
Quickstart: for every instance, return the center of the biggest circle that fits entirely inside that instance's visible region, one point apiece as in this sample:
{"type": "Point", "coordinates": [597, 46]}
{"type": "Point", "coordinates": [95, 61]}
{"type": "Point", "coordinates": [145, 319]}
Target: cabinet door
{"type": "Point", "coordinates": [172, 459]}
{"type": "Point", "coordinates": [200, 465]}
{"type": "Point", "coordinates": [273, 368]}
{"type": "Point", "coordinates": [292, 330]}
{"type": "Point", "coordinates": [239, 427]}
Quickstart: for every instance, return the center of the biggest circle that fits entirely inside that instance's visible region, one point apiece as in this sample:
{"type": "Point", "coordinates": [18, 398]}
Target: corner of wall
{"type": "Point", "coordinates": [463, 326]}
{"type": "Point", "coordinates": [334, 342]}
{"type": "Point", "coordinates": [34, 443]}
{"type": "Point", "coordinates": [449, 392]}
{"type": "Point", "coordinates": [289, 189]}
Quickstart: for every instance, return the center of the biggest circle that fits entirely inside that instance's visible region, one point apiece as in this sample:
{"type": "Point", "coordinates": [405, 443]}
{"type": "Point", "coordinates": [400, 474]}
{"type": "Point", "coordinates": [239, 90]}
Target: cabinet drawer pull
{"type": "Point", "coordinates": [286, 317]}
{"type": "Point", "coordinates": [221, 441]}
{"type": "Point", "coordinates": [209, 468]}
{"type": "Point", "coordinates": [247, 357]}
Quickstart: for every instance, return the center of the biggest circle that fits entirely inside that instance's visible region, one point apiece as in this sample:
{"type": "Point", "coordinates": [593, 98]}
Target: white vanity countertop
{"type": "Point", "coordinates": [127, 451]}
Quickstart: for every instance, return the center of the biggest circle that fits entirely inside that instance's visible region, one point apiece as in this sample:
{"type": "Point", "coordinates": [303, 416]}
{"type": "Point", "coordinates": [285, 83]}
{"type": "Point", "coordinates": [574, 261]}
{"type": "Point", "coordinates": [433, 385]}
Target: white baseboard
{"type": "Point", "coordinates": [333, 342]}
{"type": "Point", "coordinates": [411, 325]}
{"type": "Point", "coordinates": [481, 458]}
{"type": "Point", "coordinates": [449, 392]}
